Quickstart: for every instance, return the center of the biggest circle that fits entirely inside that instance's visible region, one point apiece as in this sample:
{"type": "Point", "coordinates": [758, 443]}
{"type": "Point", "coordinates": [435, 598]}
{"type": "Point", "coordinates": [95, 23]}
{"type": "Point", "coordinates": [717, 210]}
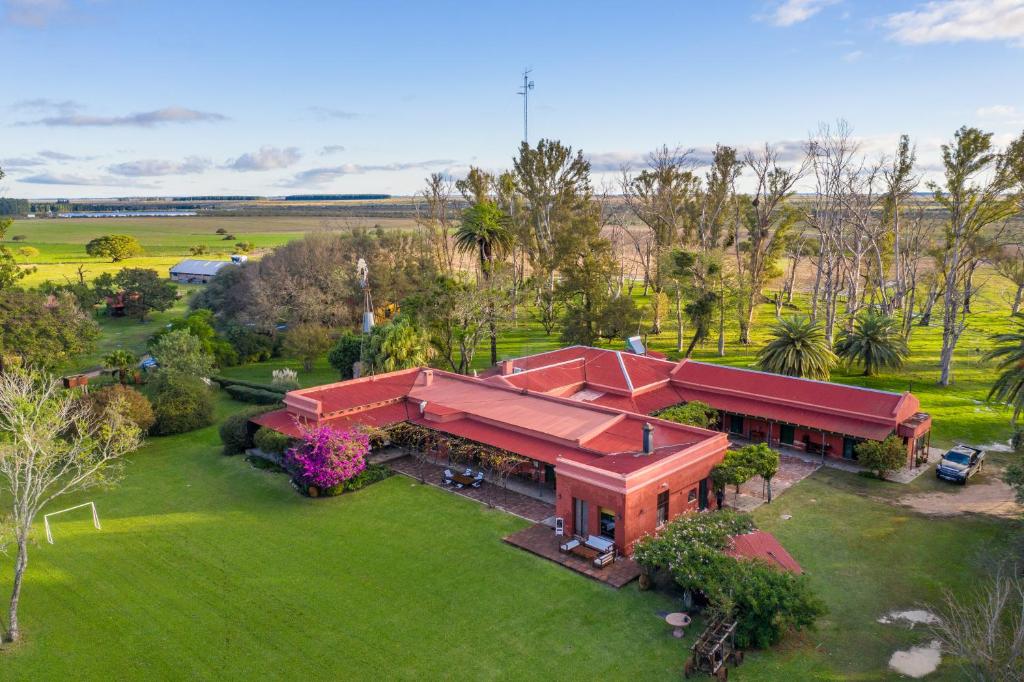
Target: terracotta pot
{"type": "Point", "coordinates": [313, 491]}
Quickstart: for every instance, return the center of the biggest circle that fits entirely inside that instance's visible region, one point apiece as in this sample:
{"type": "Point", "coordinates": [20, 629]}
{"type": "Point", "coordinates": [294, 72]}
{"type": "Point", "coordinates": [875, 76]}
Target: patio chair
{"type": "Point", "coordinates": [569, 546]}
{"type": "Point", "coordinates": [478, 479]}
{"type": "Point", "coordinates": [447, 477]}
{"type": "Point", "coordinates": [467, 472]}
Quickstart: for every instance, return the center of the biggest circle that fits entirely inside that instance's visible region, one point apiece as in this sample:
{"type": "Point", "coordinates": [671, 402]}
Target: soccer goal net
{"type": "Point", "coordinates": [46, 518]}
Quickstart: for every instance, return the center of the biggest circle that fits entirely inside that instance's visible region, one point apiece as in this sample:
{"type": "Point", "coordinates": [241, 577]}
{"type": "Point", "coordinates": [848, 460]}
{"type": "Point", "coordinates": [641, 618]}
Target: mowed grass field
{"type": "Point", "coordinates": [207, 568]}
{"type": "Point", "coordinates": [61, 241]}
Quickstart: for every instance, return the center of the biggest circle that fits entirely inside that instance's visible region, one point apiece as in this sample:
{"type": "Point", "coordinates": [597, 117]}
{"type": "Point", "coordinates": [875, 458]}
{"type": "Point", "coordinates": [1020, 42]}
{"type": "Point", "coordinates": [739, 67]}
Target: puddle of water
{"type": "Point", "coordinates": [998, 446]}
{"type": "Point", "coordinates": [911, 617]}
{"type": "Point", "coordinates": [917, 661]}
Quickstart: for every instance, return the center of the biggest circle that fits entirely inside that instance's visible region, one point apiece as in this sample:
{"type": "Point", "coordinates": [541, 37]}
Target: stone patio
{"type": "Point", "coordinates": [541, 540]}
{"type": "Point", "coordinates": [491, 494]}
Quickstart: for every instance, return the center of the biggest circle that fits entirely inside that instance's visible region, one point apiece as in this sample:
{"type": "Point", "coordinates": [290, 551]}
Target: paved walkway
{"type": "Point", "coordinates": [491, 494]}
{"type": "Point", "coordinates": [541, 540]}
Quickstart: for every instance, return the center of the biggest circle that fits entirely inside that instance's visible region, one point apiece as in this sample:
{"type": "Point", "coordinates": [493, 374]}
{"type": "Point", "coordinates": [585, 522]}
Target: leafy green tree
{"type": "Point", "coordinates": [116, 247]}
{"type": "Point", "coordinates": [28, 252]}
{"type": "Point", "coordinates": [881, 457]}
{"type": "Point", "coordinates": [1009, 351]}
{"type": "Point", "coordinates": [307, 342]}
{"type": "Point", "coordinates": [455, 314]}
{"type": "Point", "coordinates": [618, 318]}
{"type": "Point", "coordinates": [249, 344]}
{"type": "Point", "coordinates": [179, 352]}
{"type": "Point", "coordinates": [181, 402]}
{"type": "Point", "coordinates": [133, 405]}
{"type": "Point", "coordinates": [1013, 476]}
{"type": "Point", "coordinates": [798, 348]}
{"type": "Point", "coordinates": [875, 341]}
{"type": "Point", "coordinates": [397, 345]}
{"type": "Point", "coordinates": [735, 469]}
{"type": "Point", "coordinates": [145, 291]}
{"type": "Point", "coordinates": [346, 353]}
{"type": "Point", "coordinates": [51, 445]}
{"type": "Point", "coordinates": [485, 230]}
{"type": "Point", "coordinates": [694, 413]}
{"type": "Point", "coordinates": [198, 249]}
{"type": "Point", "coordinates": [764, 461]}
{"type": "Point", "coordinates": [199, 323]}
{"type": "Point", "coordinates": [10, 271]}
{"type": "Point", "coordinates": [122, 361]}
{"type": "Point", "coordinates": [38, 331]}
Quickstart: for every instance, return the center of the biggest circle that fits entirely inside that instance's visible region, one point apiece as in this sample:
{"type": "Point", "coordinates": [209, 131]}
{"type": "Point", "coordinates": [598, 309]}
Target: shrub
{"type": "Point", "coordinates": [346, 353]}
{"type": "Point", "coordinates": [881, 457]}
{"type": "Point", "coordinates": [250, 345]}
{"type": "Point", "coordinates": [327, 457]}
{"type": "Point", "coordinates": [235, 431]}
{"type": "Point", "coordinates": [271, 441]}
{"type": "Point", "coordinates": [28, 252]}
{"type": "Point", "coordinates": [256, 396]}
{"type": "Point", "coordinates": [135, 406]}
{"type": "Point", "coordinates": [225, 382]}
{"type": "Point", "coordinates": [18, 238]}
{"type": "Point", "coordinates": [181, 403]}
{"type": "Point", "coordinates": [221, 230]}
{"type": "Point", "coordinates": [694, 413]}
{"type": "Point", "coordinates": [371, 474]}
{"type": "Point", "coordinates": [182, 352]}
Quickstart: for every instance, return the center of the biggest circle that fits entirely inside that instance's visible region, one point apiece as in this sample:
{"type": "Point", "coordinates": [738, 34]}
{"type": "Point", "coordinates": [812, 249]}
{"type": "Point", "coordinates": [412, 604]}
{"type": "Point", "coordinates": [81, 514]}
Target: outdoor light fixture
{"type": "Point", "coordinates": [423, 406]}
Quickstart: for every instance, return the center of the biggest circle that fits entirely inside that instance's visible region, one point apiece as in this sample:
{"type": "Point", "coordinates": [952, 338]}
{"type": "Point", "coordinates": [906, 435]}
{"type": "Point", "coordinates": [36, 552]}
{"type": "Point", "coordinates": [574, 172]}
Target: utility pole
{"type": "Point", "coordinates": [525, 92]}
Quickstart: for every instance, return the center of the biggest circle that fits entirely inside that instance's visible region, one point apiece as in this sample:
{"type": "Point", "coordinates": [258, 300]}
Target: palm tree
{"type": "Point", "coordinates": [1009, 350]}
{"type": "Point", "coordinates": [798, 349]}
{"type": "Point", "coordinates": [875, 341]}
{"type": "Point", "coordinates": [484, 229]}
{"type": "Point", "coordinates": [120, 360]}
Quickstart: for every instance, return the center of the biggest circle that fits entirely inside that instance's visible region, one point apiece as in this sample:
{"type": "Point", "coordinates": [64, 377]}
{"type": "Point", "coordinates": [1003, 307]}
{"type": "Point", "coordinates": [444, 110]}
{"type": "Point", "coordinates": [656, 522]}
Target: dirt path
{"type": "Point", "coordinates": [985, 496]}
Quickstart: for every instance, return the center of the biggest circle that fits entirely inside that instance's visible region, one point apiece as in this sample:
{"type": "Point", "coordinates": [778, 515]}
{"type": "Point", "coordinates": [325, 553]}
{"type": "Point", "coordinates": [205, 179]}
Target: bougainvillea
{"type": "Point", "coordinates": [327, 457]}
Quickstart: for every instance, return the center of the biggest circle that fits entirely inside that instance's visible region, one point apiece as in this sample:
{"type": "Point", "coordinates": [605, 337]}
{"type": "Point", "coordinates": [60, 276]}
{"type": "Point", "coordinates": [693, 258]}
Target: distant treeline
{"type": "Point", "coordinates": [335, 197]}
{"type": "Point", "coordinates": [226, 197]}
{"type": "Point", "coordinates": [13, 207]}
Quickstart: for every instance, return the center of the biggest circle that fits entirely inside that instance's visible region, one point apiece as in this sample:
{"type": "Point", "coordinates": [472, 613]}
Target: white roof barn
{"type": "Point", "coordinates": [196, 267]}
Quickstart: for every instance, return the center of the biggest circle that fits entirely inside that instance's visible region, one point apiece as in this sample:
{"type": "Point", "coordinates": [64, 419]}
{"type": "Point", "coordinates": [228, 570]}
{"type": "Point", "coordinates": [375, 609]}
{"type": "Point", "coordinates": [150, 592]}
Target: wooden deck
{"type": "Point", "coordinates": [540, 539]}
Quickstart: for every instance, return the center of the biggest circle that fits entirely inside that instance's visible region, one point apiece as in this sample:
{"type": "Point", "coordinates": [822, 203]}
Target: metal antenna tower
{"type": "Point", "coordinates": [525, 92]}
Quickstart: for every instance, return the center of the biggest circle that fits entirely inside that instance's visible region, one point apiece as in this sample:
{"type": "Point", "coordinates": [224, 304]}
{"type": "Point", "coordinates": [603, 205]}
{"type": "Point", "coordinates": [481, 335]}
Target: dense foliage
{"type": "Point", "coordinates": [133, 405]}
{"type": "Point", "coordinates": [798, 348]}
{"type": "Point", "coordinates": [327, 457]}
{"type": "Point", "coordinates": [271, 441]}
{"type": "Point", "coordinates": [1009, 353]}
{"type": "Point", "coordinates": [346, 353]}
{"type": "Point", "coordinates": [881, 457]}
{"type": "Point", "coordinates": [200, 324]}
{"type": "Point", "coordinates": [765, 600]}
{"type": "Point", "coordinates": [180, 402]}
{"type": "Point", "coordinates": [116, 247]}
{"type": "Point", "coordinates": [180, 351]}
{"type": "Point", "coordinates": [41, 331]}
{"type": "Point", "coordinates": [694, 413]}
{"type": "Point", "coordinates": [307, 342]}
{"type": "Point", "coordinates": [144, 292]}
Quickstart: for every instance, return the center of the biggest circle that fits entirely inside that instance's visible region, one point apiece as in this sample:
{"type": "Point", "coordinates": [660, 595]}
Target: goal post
{"type": "Point", "coordinates": [46, 518]}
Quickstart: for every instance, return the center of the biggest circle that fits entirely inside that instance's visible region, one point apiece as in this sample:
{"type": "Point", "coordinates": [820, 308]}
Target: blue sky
{"type": "Point", "coordinates": [124, 98]}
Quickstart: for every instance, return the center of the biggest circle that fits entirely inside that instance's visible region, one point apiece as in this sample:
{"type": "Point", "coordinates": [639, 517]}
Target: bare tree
{"type": "Point", "coordinates": [985, 630]}
{"type": "Point", "coordinates": [438, 218]}
{"type": "Point", "coordinates": [974, 194]}
{"type": "Point", "coordinates": [661, 197]}
{"type": "Point", "coordinates": [766, 220]}
{"type": "Point", "coordinates": [51, 444]}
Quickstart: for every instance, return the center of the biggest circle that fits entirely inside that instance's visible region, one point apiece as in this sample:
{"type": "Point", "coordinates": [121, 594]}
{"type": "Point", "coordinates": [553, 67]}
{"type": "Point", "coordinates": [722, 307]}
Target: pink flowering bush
{"type": "Point", "coordinates": [327, 457]}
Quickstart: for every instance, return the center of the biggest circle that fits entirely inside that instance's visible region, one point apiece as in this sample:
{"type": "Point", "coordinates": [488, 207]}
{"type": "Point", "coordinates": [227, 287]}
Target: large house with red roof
{"type": "Point", "coordinates": [580, 416]}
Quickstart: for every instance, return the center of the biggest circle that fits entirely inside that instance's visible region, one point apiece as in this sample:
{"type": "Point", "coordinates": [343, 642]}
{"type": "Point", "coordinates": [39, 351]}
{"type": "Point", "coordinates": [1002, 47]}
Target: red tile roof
{"type": "Point", "coordinates": [763, 546]}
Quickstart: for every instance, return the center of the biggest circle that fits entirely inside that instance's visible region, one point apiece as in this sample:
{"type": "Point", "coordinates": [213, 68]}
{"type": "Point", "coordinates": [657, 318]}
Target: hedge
{"type": "Point", "coordinates": [225, 383]}
{"type": "Point", "coordinates": [257, 396]}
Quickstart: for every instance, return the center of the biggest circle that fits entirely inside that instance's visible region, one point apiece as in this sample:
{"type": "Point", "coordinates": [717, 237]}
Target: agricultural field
{"type": "Point", "coordinates": [61, 241]}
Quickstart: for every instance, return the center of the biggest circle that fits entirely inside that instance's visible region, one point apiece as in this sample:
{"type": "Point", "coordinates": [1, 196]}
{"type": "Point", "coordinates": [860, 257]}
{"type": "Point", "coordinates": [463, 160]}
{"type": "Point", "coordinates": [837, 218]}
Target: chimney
{"type": "Point", "coordinates": [428, 377]}
{"type": "Point", "coordinates": [648, 438]}
{"type": "Point", "coordinates": [506, 367]}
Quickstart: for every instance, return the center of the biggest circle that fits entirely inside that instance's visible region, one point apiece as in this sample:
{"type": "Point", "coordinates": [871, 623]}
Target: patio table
{"type": "Point", "coordinates": [678, 621]}
{"type": "Point", "coordinates": [463, 479]}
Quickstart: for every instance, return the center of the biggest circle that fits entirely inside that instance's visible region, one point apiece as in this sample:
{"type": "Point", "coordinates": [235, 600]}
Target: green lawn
{"type": "Point", "coordinates": [206, 567]}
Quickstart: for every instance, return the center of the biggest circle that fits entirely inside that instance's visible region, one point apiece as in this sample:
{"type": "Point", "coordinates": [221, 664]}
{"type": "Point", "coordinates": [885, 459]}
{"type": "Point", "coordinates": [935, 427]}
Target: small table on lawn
{"type": "Point", "coordinates": [678, 621]}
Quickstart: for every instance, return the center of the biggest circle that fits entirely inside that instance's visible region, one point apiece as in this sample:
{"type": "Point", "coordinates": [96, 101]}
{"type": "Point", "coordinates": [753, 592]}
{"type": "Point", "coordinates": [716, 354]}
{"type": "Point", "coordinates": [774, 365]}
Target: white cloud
{"type": "Point", "coordinates": [318, 176]}
{"type": "Point", "coordinates": [330, 112]}
{"type": "Point", "coordinates": [997, 111]}
{"type": "Point", "coordinates": [20, 162]}
{"type": "Point", "coordinates": [953, 21]}
{"type": "Point", "coordinates": [267, 158]}
{"type": "Point", "coordinates": [72, 179]}
{"type": "Point", "coordinates": [154, 167]}
{"type": "Point", "coordinates": [792, 12]}
{"type": "Point", "coordinates": [853, 56]}
{"type": "Point", "coordinates": [331, 149]}
{"type": "Point", "coordinates": [144, 119]}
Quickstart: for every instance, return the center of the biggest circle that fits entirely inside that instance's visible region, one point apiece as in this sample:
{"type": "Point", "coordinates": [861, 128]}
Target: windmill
{"type": "Point", "coordinates": [363, 275]}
